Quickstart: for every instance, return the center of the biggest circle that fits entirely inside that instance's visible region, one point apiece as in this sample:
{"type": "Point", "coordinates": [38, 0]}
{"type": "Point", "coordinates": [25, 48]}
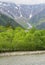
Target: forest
{"type": "Point", "coordinates": [19, 39]}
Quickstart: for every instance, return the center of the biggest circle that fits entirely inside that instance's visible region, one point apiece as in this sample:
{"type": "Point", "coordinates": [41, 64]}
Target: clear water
{"type": "Point", "coordinates": [23, 60]}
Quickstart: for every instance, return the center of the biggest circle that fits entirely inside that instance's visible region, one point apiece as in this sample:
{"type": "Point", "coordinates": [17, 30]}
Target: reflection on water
{"type": "Point", "coordinates": [23, 60]}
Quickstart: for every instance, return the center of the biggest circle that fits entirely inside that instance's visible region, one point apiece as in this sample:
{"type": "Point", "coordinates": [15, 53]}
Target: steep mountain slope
{"type": "Point", "coordinates": [14, 11]}
{"type": "Point", "coordinates": [41, 24]}
{"type": "Point", "coordinates": [25, 15]}
{"type": "Point", "coordinates": [6, 20]}
{"type": "Point", "coordinates": [39, 20]}
{"type": "Point", "coordinates": [24, 22]}
{"type": "Point", "coordinates": [21, 10]}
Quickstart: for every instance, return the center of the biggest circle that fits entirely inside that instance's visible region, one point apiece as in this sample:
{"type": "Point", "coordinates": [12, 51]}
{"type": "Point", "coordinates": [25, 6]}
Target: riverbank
{"type": "Point", "coordinates": [21, 53]}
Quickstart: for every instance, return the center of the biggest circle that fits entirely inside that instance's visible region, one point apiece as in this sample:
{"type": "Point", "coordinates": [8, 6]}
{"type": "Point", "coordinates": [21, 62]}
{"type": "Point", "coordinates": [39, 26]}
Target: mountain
{"type": "Point", "coordinates": [12, 10]}
{"type": "Point", "coordinates": [25, 15]}
{"type": "Point", "coordinates": [8, 21]}
{"type": "Point", "coordinates": [21, 10]}
{"type": "Point", "coordinates": [39, 19]}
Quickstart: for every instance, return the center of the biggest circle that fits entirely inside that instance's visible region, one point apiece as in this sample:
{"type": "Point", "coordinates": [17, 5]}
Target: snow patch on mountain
{"type": "Point", "coordinates": [30, 16]}
{"type": "Point", "coordinates": [4, 4]}
{"type": "Point", "coordinates": [29, 25]}
{"type": "Point", "coordinates": [0, 3]}
{"type": "Point", "coordinates": [16, 7]}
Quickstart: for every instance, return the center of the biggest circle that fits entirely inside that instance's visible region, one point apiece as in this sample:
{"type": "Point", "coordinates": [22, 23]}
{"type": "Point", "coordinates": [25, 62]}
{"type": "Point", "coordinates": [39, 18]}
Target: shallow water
{"type": "Point", "coordinates": [23, 60]}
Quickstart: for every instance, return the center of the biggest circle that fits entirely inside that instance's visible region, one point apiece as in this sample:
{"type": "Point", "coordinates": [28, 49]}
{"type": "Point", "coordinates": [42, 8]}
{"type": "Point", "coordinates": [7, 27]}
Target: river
{"type": "Point", "coordinates": [38, 59]}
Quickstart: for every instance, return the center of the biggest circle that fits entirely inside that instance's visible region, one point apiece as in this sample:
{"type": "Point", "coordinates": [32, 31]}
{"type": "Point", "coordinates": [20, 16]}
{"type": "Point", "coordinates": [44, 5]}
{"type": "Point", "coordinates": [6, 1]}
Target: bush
{"type": "Point", "coordinates": [19, 40]}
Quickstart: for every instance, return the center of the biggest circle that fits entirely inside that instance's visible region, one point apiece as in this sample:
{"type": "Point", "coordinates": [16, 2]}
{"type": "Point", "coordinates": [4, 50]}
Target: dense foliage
{"type": "Point", "coordinates": [19, 39]}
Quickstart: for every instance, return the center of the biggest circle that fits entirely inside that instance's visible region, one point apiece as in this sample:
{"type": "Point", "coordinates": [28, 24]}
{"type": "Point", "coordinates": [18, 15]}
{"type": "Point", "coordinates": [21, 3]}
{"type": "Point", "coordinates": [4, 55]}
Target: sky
{"type": "Point", "coordinates": [26, 1]}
